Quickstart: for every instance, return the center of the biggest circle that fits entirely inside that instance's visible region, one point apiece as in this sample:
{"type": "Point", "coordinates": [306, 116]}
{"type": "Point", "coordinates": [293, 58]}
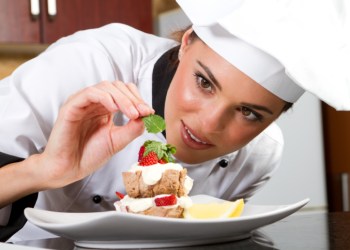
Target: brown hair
{"type": "Point", "coordinates": [177, 35]}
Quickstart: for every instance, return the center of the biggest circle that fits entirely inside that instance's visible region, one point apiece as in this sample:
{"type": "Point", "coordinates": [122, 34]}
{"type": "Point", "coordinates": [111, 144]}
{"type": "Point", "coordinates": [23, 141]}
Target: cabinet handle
{"type": "Point", "coordinates": [51, 9]}
{"type": "Point", "coordinates": [34, 9]}
{"type": "Point", "coordinates": [345, 191]}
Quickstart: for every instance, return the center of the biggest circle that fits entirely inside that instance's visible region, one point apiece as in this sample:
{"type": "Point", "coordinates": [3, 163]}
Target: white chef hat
{"type": "Point", "coordinates": [287, 46]}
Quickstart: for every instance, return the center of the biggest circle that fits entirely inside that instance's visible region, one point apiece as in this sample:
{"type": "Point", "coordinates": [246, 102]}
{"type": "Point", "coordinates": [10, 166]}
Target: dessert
{"type": "Point", "coordinates": [156, 185]}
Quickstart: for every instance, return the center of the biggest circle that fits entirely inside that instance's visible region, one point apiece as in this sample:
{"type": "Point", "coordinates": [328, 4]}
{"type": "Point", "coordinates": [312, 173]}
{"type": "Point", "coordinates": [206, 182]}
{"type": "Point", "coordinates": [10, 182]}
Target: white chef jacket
{"type": "Point", "coordinates": [31, 97]}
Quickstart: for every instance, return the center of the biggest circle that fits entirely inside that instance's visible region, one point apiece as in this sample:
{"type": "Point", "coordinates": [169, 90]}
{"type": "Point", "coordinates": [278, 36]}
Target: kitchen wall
{"type": "Point", "coordinates": [302, 171]}
{"type": "Point", "coordinates": [160, 6]}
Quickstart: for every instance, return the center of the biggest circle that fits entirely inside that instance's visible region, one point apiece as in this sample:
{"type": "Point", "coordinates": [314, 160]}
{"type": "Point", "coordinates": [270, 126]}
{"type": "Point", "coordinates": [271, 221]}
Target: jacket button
{"type": "Point", "coordinates": [96, 199]}
{"type": "Point", "coordinates": [223, 163]}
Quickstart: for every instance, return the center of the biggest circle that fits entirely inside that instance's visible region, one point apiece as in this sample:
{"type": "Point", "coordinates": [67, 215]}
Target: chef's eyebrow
{"type": "Point", "coordinates": [213, 79]}
{"type": "Point", "coordinates": [210, 74]}
{"type": "Point", "coordinates": [257, 107]}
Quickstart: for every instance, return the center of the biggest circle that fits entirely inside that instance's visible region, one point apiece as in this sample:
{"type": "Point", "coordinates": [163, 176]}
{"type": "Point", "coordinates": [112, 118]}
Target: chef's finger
{"type": "Point", "coordinates": [143, 107]}
{"type": "Point", "coordinates": [122, 136]}
{"type": "Point", "coordinates": [77, 104]}
{"type": "Point", "coordinates": [130, 104]}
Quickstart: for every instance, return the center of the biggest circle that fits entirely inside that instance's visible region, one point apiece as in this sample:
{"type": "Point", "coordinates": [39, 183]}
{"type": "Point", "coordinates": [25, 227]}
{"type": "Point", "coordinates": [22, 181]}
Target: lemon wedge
{"type": "Point", "coordinates": [226, 209]}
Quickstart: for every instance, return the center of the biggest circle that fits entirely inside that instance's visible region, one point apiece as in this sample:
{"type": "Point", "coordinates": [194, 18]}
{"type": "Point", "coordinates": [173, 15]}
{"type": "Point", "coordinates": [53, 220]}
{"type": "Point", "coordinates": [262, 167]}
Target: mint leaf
{"type": "Point", "coordinates": [163, 151]}
{"type": "Point", "coordinates": [156, 147]}
{"type": "Point", "coordinates": [154, 123]}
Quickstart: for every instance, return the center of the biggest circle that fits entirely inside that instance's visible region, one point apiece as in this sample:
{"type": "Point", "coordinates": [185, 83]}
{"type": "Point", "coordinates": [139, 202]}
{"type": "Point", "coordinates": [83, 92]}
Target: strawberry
{"type": "Point", "coordinates": [162, 161]}
{"type": "Point", "coordinates": [165, 200]}
{"type": "Point", "coordinates": [161, 153]}
{"type": "Point", "coordinates": [150, 159]}
{"type": "Point", "coordinates": [141, 152]}
{"type": "Point", "coordinates": [119, 195]}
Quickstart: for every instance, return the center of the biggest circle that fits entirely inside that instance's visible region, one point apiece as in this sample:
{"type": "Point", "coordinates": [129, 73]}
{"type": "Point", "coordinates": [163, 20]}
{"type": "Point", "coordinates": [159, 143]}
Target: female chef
{"type": "Point", "coordinates": [70, 118]}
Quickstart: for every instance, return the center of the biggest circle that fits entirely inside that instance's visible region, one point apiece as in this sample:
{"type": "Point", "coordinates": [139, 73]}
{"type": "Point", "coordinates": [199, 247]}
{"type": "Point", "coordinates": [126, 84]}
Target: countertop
{"type": "Point", "coordinates": [302, 230]}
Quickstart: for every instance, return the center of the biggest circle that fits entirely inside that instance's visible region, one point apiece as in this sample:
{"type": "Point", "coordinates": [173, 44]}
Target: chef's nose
{"type": "Point", "coordinates": [215, 120]}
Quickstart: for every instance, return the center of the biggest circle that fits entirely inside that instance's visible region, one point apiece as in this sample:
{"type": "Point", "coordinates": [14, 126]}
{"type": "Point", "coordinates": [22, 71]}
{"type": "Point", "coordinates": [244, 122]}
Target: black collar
{"type": "Point", "coordinates": [163, 73]}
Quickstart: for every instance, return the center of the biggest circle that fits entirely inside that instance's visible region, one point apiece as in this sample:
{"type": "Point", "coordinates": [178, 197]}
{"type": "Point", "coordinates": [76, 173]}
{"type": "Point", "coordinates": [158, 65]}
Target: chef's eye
{"type": "Point", "coordinates": [250, 115]}
{"type": "Point", "coordinates": [203, 83]}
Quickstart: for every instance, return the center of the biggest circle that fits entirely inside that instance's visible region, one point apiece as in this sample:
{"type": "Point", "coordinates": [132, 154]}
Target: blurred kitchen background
{"type": "Point", "coordinates": [316, 160]}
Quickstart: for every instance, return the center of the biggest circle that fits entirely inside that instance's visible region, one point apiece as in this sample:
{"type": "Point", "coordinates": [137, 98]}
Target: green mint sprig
{"type": "Point", "coordinates": [163, 151]}
{"type": "Point", "coordinates": [154, 123]}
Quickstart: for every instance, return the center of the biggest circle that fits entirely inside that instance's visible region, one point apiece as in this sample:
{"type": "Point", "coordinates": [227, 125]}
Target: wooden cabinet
{"type": "Point", "coordinates": [44, 21]}
{"type": "Point", "coordinates": [16, 23]}
{"type": "Point", "coordinates": [336, 126]}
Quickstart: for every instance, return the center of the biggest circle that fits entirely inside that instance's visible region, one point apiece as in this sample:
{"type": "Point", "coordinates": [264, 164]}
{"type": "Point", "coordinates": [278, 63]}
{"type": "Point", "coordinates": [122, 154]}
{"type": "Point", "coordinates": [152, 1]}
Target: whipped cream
{"type": "Point", "coordinates": [153, 173]}
{"type": "Point", "coordinates": [136, 205]}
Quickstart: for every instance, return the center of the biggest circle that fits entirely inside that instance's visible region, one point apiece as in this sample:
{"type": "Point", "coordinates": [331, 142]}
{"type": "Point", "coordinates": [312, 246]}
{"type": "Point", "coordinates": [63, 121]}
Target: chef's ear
{"type": "Point", "coordinates": [185, 41]}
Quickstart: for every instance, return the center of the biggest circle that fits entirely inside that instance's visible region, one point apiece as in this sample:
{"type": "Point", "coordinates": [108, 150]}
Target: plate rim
{"type": "Point", "coordinates": [279, 209]}
{"type": "Point", "coordinates": [107, 240]}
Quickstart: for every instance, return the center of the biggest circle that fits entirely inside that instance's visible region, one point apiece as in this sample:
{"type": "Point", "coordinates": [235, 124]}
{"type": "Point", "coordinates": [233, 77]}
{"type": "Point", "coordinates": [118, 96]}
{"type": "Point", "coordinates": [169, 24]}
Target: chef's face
{"type": "Point", "coordinates": [211, 107]}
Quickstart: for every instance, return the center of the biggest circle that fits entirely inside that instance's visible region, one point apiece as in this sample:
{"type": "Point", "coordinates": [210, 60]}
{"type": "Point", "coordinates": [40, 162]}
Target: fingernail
{"type": "Point", "coordinates": [143, 108]}
{"type": "Point", "coordinates": [133, 112]}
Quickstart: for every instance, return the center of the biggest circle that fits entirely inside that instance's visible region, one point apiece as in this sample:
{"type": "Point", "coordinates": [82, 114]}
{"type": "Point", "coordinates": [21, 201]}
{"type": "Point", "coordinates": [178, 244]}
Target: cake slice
{"type": "Point", "coordinates": [156, 185]}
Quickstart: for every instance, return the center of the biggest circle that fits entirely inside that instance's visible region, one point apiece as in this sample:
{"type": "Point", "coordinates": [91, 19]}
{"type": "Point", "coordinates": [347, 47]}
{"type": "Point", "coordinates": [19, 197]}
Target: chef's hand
{"type": "Point", "coordinates": [84, 136]}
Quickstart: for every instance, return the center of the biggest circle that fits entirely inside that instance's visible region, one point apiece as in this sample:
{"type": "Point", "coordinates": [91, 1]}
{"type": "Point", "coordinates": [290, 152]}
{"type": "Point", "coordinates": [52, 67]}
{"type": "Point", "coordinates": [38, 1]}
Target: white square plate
{"type": "Point", "coordinates": [123, 230]}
